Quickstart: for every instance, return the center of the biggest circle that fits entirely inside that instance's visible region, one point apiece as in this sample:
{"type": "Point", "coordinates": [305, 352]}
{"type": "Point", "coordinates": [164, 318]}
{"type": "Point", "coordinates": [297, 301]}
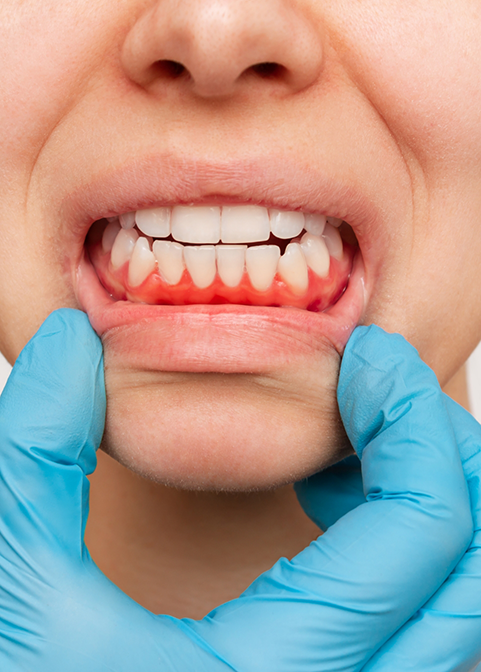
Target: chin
{"type": "Point", "coordinates": [224, 432]}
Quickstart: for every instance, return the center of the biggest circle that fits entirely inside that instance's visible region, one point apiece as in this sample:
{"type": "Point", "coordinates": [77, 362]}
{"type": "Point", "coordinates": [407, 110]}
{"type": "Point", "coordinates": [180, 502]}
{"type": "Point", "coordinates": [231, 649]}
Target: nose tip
{"type": "Point", "coordinates": [217, 45]}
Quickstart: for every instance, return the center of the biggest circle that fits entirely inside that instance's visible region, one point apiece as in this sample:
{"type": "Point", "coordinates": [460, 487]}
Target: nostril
{"type": "Point", "coordinates": [214, 48]}
{"type": "Point", "coordinates": [169, 69]}
{"type": "Point", "coordinates": [268, 70]}
{"type": "Point", "coordinates": [173, 69]}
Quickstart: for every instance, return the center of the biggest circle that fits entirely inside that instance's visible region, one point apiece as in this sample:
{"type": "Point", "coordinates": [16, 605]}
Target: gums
{"type": "Point", "coordinates": [321, 293]}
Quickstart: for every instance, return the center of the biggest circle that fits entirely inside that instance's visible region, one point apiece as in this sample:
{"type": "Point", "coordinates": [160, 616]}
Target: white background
{"type": "Point", "coordinates": [4, 371]}
{"type": "Point", "coordinates": [474, 379]}
{"type": "Point", "coordinates": [474, 382]}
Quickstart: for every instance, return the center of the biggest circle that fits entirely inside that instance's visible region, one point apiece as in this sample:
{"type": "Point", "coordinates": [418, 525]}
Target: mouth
{"type": "Point", "coordinates": [245, 255]}
{"type": "Point", "coordinates": [206, 264]}
{"type": "Point", "coordinates": [215, 283]}
{"type": "Point", "coordinates": [181, 273]}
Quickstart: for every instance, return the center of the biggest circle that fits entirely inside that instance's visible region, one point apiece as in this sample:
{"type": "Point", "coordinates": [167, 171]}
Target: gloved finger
{"type": "Point", "coordinates": [445, 634]}
{"type": "Point", "coordinates": [52, 415]}
{"type": "Point", "coordinates": [335, 604]}
{"type": "Point", "coordinates": [330, 494]}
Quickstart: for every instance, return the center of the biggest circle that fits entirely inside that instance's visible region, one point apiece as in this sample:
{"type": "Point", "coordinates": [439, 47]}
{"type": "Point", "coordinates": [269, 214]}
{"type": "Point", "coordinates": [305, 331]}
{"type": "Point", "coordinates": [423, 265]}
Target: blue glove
{"type": "Point", "coordinates": [445, 634]}
{"type": "Point", "coordinates": [331, 608]}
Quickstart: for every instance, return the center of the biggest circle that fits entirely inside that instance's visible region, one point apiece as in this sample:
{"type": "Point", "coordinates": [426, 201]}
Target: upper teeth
{"type": "Point", "coordinates": [229, 224]}
{"type": "Point", "coordinates": [204, 226]}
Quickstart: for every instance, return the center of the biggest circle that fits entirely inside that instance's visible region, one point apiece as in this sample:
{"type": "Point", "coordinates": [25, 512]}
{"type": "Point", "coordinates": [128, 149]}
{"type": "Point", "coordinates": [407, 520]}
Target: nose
{"type": "Point", "coordinates": [217, 46]}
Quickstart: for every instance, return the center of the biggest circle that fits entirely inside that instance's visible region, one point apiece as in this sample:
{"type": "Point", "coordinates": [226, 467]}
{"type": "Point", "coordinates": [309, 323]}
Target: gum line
{"type": "Point", "coordinates": [320, 295]}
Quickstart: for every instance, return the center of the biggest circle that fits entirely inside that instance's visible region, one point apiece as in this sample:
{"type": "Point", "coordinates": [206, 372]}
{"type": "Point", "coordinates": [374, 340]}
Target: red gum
{"type": "Point", "coordinates": [320, 295]}
{"type": "Point", "coordinates": [229, 338]}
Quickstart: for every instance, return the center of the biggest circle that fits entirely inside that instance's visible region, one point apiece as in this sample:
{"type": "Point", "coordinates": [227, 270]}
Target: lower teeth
{"type": "Point", "coordinates": [229, 262]}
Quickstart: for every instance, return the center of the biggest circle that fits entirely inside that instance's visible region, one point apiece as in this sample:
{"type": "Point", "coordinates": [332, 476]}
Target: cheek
{"type": "Point", "coordinates": [432, 298]}
{"type": "Point", "coordinates": [34, 281]}
{"type": "Point", "coordinates": [224, 431]}
{"type": "Point", "coordinates": [427, 87]}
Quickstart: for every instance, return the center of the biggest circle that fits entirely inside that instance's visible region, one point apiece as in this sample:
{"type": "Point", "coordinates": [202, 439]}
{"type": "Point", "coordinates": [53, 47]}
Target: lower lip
{"type": "Point", "coordinates": [217, 338]}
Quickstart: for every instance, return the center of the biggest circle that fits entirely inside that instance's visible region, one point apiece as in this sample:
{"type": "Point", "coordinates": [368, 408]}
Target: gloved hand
{"type": "Point", "coordinates": [330, 608]}
{"type": "Point", "coordinates": [445, 634]}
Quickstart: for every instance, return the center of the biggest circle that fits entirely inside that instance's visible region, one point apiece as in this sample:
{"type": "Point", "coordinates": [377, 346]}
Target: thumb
{"type": "Point", "coordinates": [52, 415]}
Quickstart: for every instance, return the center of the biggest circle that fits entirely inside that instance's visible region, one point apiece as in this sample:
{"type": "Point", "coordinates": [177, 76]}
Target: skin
{"type": "Point", "coordinates": [390, 98]}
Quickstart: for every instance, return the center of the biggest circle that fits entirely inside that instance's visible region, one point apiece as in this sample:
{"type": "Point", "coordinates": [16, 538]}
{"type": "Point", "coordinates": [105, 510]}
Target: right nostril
{"type": "Point", "coordinates": [169, 69]}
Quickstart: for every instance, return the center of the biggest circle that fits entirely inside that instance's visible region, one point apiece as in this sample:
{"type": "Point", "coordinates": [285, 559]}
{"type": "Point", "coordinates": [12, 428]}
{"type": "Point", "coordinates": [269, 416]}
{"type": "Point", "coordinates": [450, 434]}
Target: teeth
{"type": "Point", "coordinates": [123, 247]}
{"type": "Point", "coordinates": [231, 263]}
{"type": "Point", "coordinates": [200, 262]}
{"type": "Point", "coordinates": [292, 268]}
{"type": "Point", "coordinates": [110, 234]}
{"type": "Point", "coordinates": [315, 224]}
{"type": "Point", "coordinates": [154, 222]}
{"type": "Point", "coordinates": [170, 259]}
{"type": "Point", "coordinates": [196, 224]}
{"type": "Point", "coordinates": [286, 224]}
{"type": "Point", "coordinates": [245, 224]}
{"type": "Point", "coordinates": [127, 221]}
{"type": "Point", "coordinates": [142, 262]}
{"type": "Point", "coordinates": [261, 265]}
{"type": "Point", "coordinates": [203, 226]}
{"type": "Point", "coordinates": [316, 254]}
{"type": "Point", "coordinates": [235, 224]}
{"type": "Point", "coordinates": [333, 241]}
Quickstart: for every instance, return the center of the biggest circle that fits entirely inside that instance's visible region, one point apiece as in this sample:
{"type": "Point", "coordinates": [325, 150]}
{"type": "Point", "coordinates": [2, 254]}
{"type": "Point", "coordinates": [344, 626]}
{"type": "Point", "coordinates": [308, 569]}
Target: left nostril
{"type": "Point", "coordinates": [267, 70]}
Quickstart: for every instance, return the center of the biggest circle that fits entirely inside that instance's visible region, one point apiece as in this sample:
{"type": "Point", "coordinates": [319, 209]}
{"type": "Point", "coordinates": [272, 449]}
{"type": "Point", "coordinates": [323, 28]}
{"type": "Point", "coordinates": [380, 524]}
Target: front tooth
{"type": "Point", "coordinates": [123, 247]}
{"type": "Point", "coordinates": [142, 262]}
{"type": "Point", "coordinates": [170, 259]}
{"type": "Point", "coordinates": [200, 262]}
{"type": "Point", "coordinates": [110, 234]}
{"type": "Point", "coordinates": [154, 222]}
{"type": "Point", "coordinates": [261, 265]}
{"type": "Point", "coordinates": [315, 224]}
{"type": "Point", "coordinates": [196, 224]}
{"type": "Point", "coordinates": [127, 220]}
{"type": "Point", "coordinates": [244, 224]}
{"type": "Point", "coordinates": [286, 224]}
{"type": "Point", "coordinates": [292, 268]}
{"type": "Point", "coordinates": [316, 254]}
{"type": "Point", "coordinates": [334, 221]}
{"type": "Point", "coordinates": [231, 263]}
{"type": "Point", "coordinates": [333, 241]}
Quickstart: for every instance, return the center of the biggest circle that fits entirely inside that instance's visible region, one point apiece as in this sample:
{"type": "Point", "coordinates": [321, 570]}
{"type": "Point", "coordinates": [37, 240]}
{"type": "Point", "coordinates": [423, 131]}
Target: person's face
{"type": "Point", "coordinates": [369, 112]}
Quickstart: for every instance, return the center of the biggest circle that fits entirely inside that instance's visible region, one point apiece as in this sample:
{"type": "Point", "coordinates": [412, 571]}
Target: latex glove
{"type": "Point", "coordinates": [445, 634]}
{"type": "Point", "coordinates": [331, 608]}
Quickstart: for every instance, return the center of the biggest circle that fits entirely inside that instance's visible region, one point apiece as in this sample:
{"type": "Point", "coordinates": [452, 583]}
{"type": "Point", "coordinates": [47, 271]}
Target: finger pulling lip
{"type": "Point", "coordinates": [217, 338]}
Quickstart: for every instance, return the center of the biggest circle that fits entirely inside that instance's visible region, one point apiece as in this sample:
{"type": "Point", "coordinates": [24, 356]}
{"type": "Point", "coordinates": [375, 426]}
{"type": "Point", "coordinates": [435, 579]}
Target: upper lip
{"type": "Point", "coordinates": [164, 179]}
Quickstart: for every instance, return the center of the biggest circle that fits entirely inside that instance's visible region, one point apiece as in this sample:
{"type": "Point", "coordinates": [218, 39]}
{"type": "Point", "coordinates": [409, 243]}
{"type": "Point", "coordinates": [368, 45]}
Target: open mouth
{"type": "Point", "coordinates": [241, 254]}
{"type": "Point", "coordinates": [225, 276]}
